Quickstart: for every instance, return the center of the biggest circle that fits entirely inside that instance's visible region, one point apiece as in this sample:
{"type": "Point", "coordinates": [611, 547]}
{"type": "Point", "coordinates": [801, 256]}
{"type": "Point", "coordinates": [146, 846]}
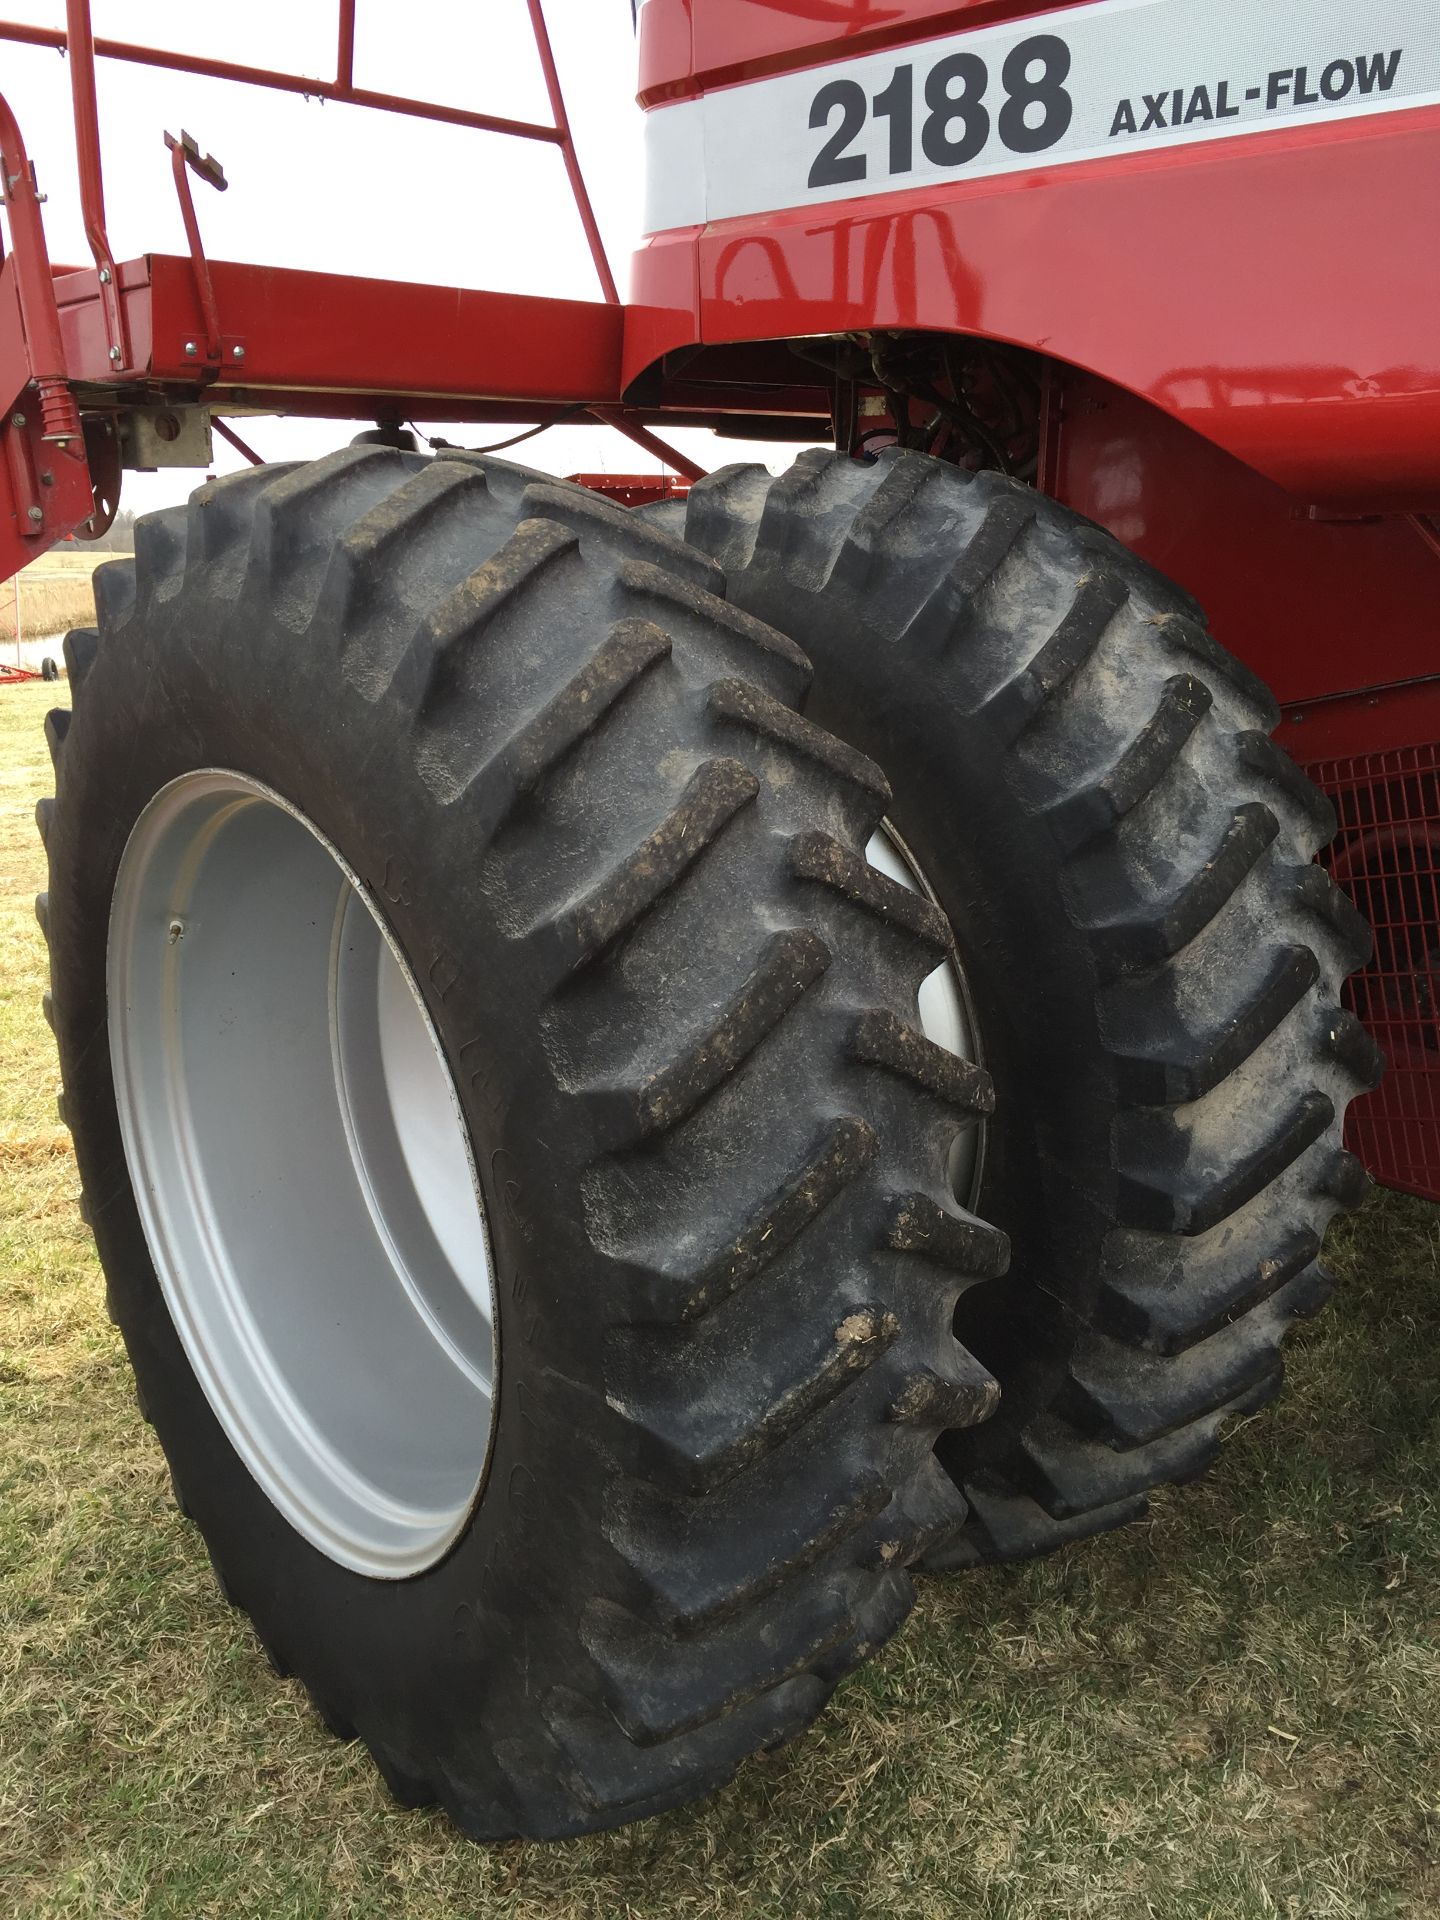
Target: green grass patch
{"type": "Point", "coordinates": [1232, 1710]}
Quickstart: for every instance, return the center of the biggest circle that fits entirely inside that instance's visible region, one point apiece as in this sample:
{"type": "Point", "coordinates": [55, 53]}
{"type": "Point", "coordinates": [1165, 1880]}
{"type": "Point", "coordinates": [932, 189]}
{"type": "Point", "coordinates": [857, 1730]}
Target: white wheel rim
{"type": "Point", "coordinates": [947, 1013]}
{"type": "Point", "coordinates": [303, 1173]}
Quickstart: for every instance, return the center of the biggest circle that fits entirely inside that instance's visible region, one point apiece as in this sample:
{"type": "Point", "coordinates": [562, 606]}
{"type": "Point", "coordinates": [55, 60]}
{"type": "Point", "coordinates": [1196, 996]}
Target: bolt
{"type": "Point", "coordinates": [115, 353]}
{"type": "Point", "coordinates": [17, 419]}
{"type": "Point", "coordinates": [237, 353]}
{"type": "Point", "coordinates": [37, 514]}
{"type": "Point", "coordinates": [104, 276]}
{"type": "Point", "coordinates": [191, 349]}
{"type": "Point", "coordinates": [177, 927]}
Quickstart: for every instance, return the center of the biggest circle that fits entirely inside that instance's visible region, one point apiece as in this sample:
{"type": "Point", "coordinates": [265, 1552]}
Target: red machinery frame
{"type": "Point", "coordinates": [246, 337]}
{"type": "Point", "coordinates": [1233, 397]}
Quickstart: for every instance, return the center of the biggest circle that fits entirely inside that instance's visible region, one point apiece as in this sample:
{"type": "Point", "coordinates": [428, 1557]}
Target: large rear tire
{"type": "Point", "coordinates": [498, 739]}
{"type": "Point", "coordinates": [1086, 780]}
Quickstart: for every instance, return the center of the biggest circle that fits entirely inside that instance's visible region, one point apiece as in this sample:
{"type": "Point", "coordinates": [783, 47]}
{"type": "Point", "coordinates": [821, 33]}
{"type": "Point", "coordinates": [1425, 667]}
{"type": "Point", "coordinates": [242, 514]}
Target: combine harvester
{"type": "Point", "coordinates": [640, 1069]}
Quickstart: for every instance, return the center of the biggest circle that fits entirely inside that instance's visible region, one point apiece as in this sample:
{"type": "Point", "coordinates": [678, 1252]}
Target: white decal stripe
{"type": "Point", "coordinates": [1114, 77]}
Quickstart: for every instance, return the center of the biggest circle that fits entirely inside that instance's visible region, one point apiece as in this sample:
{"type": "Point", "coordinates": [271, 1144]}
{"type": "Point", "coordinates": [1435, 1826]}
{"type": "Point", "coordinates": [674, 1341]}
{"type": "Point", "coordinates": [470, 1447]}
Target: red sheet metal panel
{"type": "Point", "coordinates": [1316, 605]}
{"type": "Point", "coordinates": [1273, 293]}
{"type": "Point", "coordinates": [1270, 288]}
{"type": "Point", "coordinates": [684, 47]}
{"type": "Point", "coordinates": [335, 334]}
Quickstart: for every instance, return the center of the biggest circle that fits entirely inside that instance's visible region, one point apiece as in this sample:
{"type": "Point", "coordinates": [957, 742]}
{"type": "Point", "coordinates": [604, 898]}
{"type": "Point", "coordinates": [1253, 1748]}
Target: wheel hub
{"type": "Point", "coordinates": [947, 1014]}
{"type": "Point", "coordinates": [303, 1173]}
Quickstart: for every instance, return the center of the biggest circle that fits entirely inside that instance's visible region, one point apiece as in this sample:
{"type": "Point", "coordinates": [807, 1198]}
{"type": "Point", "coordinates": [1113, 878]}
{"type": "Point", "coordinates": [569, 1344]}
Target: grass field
{"type": "Point", "coordinates": [54, 594]}
{"type": "Point", "coordinates": [1231, 1712]}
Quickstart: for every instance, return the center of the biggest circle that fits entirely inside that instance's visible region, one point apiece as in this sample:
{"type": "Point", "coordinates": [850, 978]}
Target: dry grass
{"type": "Point", "coordinates": [54, 594]}
{"type": "Point", "coordinates": [1232, 1711]}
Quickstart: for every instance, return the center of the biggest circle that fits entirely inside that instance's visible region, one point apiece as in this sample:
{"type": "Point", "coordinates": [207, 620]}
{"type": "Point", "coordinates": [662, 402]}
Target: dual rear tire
{"type": "Point", "coordinates": [547, 1244]}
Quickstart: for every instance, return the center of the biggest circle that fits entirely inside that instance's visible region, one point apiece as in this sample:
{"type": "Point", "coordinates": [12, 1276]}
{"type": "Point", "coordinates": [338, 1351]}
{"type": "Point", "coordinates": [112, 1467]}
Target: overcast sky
{"type": "Point", "coordinates": [346, 190]}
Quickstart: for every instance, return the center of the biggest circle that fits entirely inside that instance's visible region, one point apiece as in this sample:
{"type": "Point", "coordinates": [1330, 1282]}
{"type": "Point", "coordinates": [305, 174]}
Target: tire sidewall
{"type": "Point", "coordinates": [427, 1648]}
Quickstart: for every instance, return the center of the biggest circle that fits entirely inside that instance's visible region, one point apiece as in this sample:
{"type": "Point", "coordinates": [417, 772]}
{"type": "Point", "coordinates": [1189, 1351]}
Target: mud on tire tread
{"type": "Point", "coordinates": [1089, 781]}
{"type": "Point", "coordinates": [531, 727]}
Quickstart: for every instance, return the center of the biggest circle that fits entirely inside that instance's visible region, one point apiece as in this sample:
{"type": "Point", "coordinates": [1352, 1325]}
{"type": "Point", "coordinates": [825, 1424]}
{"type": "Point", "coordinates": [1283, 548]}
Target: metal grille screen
{"type": "Point", "coordinates": [1386, 855]}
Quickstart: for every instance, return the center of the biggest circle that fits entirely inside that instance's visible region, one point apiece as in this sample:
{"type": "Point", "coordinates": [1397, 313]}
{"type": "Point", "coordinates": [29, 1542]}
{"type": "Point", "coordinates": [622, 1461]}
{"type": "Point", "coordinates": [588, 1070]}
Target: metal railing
{"type": "Point", "coordinates": [78, 41]}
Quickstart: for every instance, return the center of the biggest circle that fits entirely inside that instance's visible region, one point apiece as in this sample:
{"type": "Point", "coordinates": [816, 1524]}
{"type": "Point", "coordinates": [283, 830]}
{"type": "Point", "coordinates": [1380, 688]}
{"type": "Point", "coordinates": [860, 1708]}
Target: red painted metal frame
{"type": "Point", "coordinates": [79, 41]}
{"type": "Point", "coordinates": [44, 472]}
{"type": "Point", "coordinates": [80, 46]}
{"type": "Point", "coordinates": [634, 429]}
{"type": "Point", "coordinates": [341, 89]}
{"type": "Point", "coordinates": [567, 149]}
{"type": "Point", "coordinates": [185, 159]}
{"type": "Point", "coordinates": [634, 489]}
{"type": "Point", "coordinates": [318, 341]}
{"type": "Point", "coordinates": [305, 343]}
{"type": "Point", "coordinates": [31, 277]}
